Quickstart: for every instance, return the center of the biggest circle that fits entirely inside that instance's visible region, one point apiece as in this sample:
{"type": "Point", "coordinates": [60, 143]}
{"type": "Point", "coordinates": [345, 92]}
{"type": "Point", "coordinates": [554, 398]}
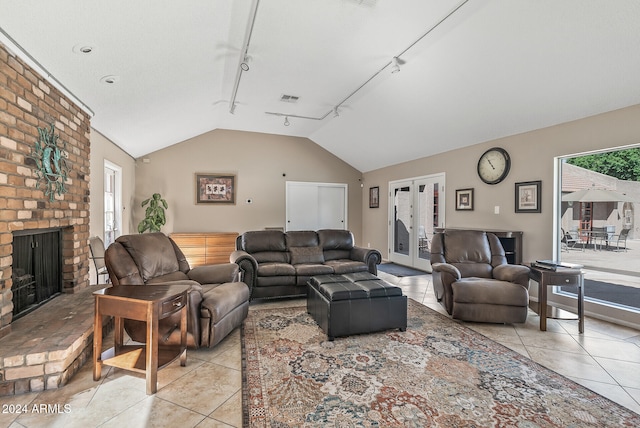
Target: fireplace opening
{"type": "Point", "coordinates": [36, 269]}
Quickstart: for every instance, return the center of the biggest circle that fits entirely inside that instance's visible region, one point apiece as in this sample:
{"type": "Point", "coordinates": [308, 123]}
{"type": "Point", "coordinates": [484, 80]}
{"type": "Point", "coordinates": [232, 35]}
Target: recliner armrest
{"type": "Point", "coordinates": [215, 274]}
{"type": "Point", "coordinates": [447, 268]}
{"type": "Point", "coordinates": [517, 274]}
{"type": "Point", "coordinates": [248, 267]}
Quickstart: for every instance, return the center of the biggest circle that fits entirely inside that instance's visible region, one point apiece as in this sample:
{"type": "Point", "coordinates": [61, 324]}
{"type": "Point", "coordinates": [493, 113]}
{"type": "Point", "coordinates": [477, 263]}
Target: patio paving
{"type": "Point", "coordinates": [615, 267]}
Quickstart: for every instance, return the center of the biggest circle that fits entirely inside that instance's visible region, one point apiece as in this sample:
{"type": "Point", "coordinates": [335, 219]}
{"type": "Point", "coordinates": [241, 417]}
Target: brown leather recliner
{"type": "Point", "coordinates": [218, 301]}
{"type": "Point", "coordinates": [472, 280]}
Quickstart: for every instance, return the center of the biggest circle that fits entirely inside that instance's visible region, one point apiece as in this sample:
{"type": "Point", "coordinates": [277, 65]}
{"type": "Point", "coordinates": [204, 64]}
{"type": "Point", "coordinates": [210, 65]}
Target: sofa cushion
{"type": "Point", "coordinates": [341, 266]}
{"type": "Point", "coordinates": [312, 270]}
{"type": "Point", "coordinates": [271, 257]}
{"type": "Point", "coordinates": [263, 240]}
{"type": "Point", "coordinates": [302, 238]}
{"type": "Point", "coordinates": [275, 269]}
{"type": "Point", "coordinates": [301, 255]}
{"type": "Point", "coordinates": [335, 239]}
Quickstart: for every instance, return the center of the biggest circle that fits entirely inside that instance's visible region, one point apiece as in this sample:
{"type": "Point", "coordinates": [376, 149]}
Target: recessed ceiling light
{"type": "Point", "coordinates": [83, 49]}
{"type": "Point", "coordinates": [111, 79]}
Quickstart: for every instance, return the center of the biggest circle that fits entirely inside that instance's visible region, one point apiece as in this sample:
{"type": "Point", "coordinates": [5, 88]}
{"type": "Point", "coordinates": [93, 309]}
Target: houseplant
{"type": "Point", "coordinates": [154, 216]}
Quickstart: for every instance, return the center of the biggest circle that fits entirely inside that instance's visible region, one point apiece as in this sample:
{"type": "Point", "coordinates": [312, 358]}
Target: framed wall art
{"type": "Point", "coordinates": [464, 200]}
{"type": "Point", "coordinates": [374, 197]}
{"type": "Point", "coordinates": [528, 197]}
{"type": "Point", "coordinates": [215, 188]}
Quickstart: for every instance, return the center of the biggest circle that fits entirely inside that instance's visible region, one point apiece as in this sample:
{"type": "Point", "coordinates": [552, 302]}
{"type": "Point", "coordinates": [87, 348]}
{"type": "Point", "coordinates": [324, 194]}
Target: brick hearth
{"type": "Point", "coordinates": [49, 345]}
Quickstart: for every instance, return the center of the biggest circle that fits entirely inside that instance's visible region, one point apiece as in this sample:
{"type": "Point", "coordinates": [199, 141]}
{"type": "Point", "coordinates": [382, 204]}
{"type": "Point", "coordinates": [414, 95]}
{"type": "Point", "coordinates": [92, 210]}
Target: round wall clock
{"type": "Point", "coordinates": [494, 165]}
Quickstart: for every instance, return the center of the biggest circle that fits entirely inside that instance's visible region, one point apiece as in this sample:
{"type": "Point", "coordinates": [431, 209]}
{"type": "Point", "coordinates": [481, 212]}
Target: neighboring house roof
{"type": "Point", "coordinates": [575, 178]}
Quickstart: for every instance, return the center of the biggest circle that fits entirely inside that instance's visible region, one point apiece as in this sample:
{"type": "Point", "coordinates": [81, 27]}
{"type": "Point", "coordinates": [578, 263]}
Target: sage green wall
{"type": "Point", "coordinates": [532, 158]}
{"type": "Point", "coordinates": [258, 161]}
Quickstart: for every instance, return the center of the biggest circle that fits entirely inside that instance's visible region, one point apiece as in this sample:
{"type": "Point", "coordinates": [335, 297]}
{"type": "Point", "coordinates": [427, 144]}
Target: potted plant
{"type": "Point", "coordinates": [154, 216]}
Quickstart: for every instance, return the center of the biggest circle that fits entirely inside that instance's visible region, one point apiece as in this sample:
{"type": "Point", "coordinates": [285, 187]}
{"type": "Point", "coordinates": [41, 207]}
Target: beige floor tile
{"type": "Point", "coordinates": [612, 392]}
{"type": "Point", "coordinates": [155, 412]}
{"type": "Point", "coordinates": [610, 348]}
{"type": "Point", "coordinates": [570, 364]}
{"type": "Point", "coordinates": [16, 406]}
{"type": "Point", "coordinates": [231, 411]}
{"type": "Point", "coordinates": [203, 390]}
{"type": "Point", "coordinates": [626, 373]}
{"type": "Point", "coordinates": [212, 423]}
{"type": "Point", "coordinates": [552, 341]}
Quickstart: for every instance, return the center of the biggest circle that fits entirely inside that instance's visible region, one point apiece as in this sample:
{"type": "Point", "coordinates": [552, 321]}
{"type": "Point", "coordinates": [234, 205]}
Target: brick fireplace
{"type": "Point", "coordinates": [29, 102]}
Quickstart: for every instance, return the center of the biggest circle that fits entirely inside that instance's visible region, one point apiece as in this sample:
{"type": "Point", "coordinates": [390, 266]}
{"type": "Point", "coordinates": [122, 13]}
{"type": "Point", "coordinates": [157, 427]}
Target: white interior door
{"type": "Point", "coordinates": [112, 202]}
{"type": "Point", "coordinates": [313, 206]}
{"type": "Point", "coordinates": [417, 208]}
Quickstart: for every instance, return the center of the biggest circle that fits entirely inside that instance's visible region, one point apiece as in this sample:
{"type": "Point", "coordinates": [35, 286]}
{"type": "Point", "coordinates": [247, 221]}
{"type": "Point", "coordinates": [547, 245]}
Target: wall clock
{"type": "Point", "coordinates": [494, 165]}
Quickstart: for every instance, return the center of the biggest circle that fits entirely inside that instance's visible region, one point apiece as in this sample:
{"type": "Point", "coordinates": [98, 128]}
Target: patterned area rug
{"type": "Point", "coordinates": [436, 374]}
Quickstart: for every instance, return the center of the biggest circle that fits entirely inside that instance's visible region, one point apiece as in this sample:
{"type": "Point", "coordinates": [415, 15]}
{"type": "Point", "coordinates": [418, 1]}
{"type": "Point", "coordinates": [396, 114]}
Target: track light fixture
{"type": "Point", "coordinates": [395, 65]}
{"type": "Point", "coordinates": [286, 121]}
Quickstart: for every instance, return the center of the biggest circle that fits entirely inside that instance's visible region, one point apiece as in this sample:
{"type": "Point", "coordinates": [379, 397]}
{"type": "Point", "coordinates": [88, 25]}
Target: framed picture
{"type": "Point", "coordinates": [215, 189]}
{"type": "Point", "coordinates": [374, 197]}
{"type": "Point", "coordinates": [464, 200]}
{"type": "Point", "coordinates": [528, 197]}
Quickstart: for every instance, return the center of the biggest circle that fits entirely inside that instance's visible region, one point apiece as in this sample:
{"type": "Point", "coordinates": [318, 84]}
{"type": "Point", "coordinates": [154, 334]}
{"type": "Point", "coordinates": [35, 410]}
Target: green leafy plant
{"type": "Point", "coordinates": [154, 216]}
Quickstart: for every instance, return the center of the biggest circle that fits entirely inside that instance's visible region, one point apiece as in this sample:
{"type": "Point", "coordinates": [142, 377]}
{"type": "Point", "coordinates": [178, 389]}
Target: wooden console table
{"type": "Point", "coordinates": [149, 303]}
{"type": "Point", "coordinates": [560, 277]}
{"type": "Point", "coordinates": [206, 248]}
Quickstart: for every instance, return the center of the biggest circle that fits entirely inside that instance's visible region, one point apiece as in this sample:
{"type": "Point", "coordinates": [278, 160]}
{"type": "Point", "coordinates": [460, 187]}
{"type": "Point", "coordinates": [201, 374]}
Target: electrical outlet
{"type": "Point", "coordinates": [496, 209]}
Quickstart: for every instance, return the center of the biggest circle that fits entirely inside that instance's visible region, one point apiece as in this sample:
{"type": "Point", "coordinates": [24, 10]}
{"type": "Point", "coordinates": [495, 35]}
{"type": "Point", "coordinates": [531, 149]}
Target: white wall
{"type": "Point", "coordinates": [103, 149]}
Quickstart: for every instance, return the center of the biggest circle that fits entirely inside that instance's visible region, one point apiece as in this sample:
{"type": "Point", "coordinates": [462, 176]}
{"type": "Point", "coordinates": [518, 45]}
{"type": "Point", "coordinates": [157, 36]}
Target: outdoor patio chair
{"type": "Point", "coordinates": [568, 241]}
{"type": "Point", "coordinates": [621, 239]}
{"type": "Point", "coordinates": [599, 236]}
{"type": "Point", "coordinates": [97, 255]}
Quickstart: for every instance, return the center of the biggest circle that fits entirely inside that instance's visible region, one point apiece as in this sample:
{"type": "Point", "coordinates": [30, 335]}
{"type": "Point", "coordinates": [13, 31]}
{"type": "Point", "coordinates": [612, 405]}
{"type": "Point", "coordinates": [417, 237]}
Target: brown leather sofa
{"type": "Point", "coordinates": [218, 301]}
{"type": "Point", "coordinates": [279, 264]}
{"type": "Point", "coordinates": [472, 280]}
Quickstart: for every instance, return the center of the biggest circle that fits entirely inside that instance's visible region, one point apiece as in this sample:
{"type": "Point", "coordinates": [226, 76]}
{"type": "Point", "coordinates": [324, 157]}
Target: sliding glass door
{"type": "Point", "coordinates": [417, 208]}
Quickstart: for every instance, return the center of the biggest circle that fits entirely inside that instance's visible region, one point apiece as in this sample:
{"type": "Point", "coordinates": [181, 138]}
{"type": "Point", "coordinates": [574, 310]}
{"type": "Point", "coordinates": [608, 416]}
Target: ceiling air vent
{"type": "Point", "coordinates": [289, 99]}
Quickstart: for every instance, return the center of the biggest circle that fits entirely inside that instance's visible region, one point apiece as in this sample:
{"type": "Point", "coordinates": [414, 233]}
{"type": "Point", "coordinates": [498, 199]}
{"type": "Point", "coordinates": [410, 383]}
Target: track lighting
{"type": "Point", "coordinates": [396, 65]}
{"type": "Point", "coordinates": [286, 121]}
{"type": "Point", "coordinates": [244, 65]}
{"type": "Point", "coordinates": [335, 112]}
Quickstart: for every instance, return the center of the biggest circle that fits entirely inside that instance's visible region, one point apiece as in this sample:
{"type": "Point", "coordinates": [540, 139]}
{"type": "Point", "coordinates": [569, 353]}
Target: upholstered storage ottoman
{"type": "Point", "coordinates": [355, 303]}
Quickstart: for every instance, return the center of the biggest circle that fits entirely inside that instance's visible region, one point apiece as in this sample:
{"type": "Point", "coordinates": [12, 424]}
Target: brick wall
{"type": "Point", "coordinates": [28, 102]}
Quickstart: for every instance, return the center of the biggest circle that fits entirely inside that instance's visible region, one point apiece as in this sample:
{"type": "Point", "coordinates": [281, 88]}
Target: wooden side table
{"type": "Point", "coordinates": [149, 303]}
{"type": "Point", "coordinates": [560, 277]}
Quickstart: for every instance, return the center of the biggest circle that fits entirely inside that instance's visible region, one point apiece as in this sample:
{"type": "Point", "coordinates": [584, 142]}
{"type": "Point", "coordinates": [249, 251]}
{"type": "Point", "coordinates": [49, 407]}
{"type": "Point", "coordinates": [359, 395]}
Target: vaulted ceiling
{"type": "Point", "coordinates": [471, 71]}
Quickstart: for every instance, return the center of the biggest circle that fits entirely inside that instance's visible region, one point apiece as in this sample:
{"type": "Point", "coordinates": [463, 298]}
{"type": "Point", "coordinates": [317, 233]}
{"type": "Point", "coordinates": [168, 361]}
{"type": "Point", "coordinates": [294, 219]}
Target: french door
{"type": "Point", "coordinates": [416, 209]}
{"type": "Point", "coordinates": [112, 202]}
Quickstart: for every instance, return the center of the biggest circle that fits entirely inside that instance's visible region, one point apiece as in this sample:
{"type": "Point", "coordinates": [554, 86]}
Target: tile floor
{"type": "Point", "coordinates": [207, 392]}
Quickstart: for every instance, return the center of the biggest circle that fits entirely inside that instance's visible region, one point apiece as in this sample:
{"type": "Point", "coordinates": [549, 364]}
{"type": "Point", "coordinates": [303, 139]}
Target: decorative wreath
{"type": "Point", "coordinates": [51, 162]}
